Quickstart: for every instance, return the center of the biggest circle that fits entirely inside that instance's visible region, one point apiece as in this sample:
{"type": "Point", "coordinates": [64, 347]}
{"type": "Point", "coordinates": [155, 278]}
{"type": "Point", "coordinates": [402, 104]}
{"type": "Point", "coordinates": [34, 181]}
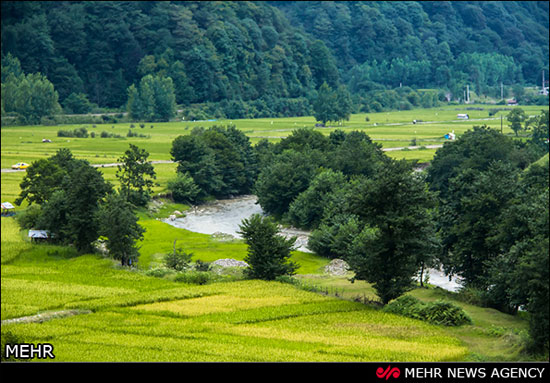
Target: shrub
{"type": "Point", "coordinates": [159, 272]}
{"type": "Point", "coordinates": [78, 132]}
{"type": "Point", "coordinates": [64, 133]}
{"type": "Point", "coordinates": [194, 277]}
{"type": "Point", "coordinates": [439, 312]}
{"type": "Point", "coordinates": [28, 218]}
{"type": "Point", "coordinates": [178, 259]}
{"type": "Point", "coordinates": [202, 266]}
{"type": "Point", "coordinates": [445, 313]}
{"type": "Point", "coordinates": [183, 188]}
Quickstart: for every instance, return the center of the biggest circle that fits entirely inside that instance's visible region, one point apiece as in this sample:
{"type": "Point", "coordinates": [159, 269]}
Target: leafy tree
{"type": "Point", "coordinates": [355, 154]}
{"type": "Point", "coordinates": [220, 160]}
{"type": "Point", "coordinates": [303, 140]}
{"type": "Point", "coordinates": [41, 179]}
{"type": "Point", "coordinates": [344, 104]}
{"type": "Point", "coordinates": [177, 259]}
{"type": "Point", "coordinates": [334, 237]}
{"type": "Point", "coordinates": [31, 96]}
{"type": "Point", "coordinates": [268, 253]}
{"type": "Point", "coordinates": [77, 103]}
{"type": "Point", "coordinates": [284, 179]}
{"type": "Point", "coordinates": [323, 68]}
{"type": "Point", "coordinates": [516, 117]}
{"type": "Point", "coordinates": [306, 211]}
{"type": "Point", "coordinates": [153, 100]}
{"type": "Point", "coordinates": [69, 212]}
{"type": "Point", "coordinates": [470, 217]}
{"type": "Point", "coordinates": [136, 176]}
{"type": "Point", "coordinates": [197, 159]}
{"type": "Point", "coordinates": [518, 276]}
{"type": "Point", "coordinates": [83, 188]}
{"type": "Point", "coordinates": [475, 149]}
{"type": "Point", "coordinates": [119, 225]}
{"type": "Point", "coordinates": [325, 107]}
{"type": "Point", "coordinates": [392, 205]}
{"type": "Point", "coordinates": [183, 188]}
{"type": "Point", "coordinates": [539, 137]}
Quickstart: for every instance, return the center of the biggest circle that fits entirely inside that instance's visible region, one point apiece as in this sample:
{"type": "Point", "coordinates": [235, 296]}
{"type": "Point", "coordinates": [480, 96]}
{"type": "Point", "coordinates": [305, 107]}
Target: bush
{"type": "Point", "coordinates": [159, 272]}
{"type": "Point", "coordinates": [105, 134]}
{"type": "Point", "coordinates": [445, 313]}
{"type": "Point", "coordinates": [178, 259]}
{"type": "Point", "coordinates": [78, 132]}
{"type": "Point", "coordinates": [28, 218]}
{"type": "Point", "coordinates": [439, 312]}
{"type": "Point", "coordinates": [194, 277]}
{"type": "Point", "coordinates": [183, 188]}
{"type": "Point", "coordinates": [202, 266]}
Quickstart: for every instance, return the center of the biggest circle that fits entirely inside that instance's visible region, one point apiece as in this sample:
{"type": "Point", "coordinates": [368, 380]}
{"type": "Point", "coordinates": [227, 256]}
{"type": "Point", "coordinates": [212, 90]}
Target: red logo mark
{"type": "Point", "coordinates": [389, 372]}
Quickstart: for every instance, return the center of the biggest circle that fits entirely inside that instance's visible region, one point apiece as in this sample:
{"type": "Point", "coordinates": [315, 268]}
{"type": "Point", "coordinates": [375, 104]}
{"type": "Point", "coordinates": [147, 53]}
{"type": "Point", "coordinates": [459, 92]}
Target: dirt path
{"type": "Point", "coordinates": [39, 318]}
{"type": "Point", "coordinates": [95, 166]}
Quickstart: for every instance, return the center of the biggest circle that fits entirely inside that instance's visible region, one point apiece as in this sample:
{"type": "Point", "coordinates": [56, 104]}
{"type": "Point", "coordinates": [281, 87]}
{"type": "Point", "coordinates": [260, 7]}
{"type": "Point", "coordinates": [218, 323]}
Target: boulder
{"type": "Point", "coordinates": [228, 262]}
{"type": "Point", "coordinates": [337, 267]}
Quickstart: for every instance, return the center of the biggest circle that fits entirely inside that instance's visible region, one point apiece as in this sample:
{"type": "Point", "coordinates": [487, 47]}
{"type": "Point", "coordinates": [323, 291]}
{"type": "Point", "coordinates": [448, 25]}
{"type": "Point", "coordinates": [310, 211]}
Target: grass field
{"type": "Point", "coordinates": [395, 129]}
{"type": "Point", "coordinates": [138, 318]}
{"type": "Point", "coordinates": [125, 315]}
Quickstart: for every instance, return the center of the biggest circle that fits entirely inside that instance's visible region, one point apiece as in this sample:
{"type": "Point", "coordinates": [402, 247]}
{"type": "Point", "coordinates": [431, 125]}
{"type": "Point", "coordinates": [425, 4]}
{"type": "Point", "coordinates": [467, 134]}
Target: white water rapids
{"type": "Point", "coordinates": [225, 216]}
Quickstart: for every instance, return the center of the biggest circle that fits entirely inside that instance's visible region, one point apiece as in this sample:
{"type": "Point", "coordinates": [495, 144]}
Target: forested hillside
{"type": "Point", "coordinates": [431, 43]}
{"type": "Point", "coordinates": [258, 59]}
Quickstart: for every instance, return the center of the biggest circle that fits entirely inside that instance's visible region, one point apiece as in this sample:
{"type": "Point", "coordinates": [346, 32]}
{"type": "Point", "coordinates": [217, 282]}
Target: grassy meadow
{"type": "Point", "coordinates": [118, 314]}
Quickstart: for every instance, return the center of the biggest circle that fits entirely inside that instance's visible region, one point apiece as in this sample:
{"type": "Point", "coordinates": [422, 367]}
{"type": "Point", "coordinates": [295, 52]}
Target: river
{"type": "Point", "coordinates": [225, 216]}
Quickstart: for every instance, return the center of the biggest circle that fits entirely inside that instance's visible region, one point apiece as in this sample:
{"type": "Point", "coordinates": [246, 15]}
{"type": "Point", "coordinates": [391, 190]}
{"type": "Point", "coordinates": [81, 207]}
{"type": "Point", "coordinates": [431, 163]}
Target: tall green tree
{"type": "Point", "coordinates": [41, 180]}
{"type": "Point", "coordinates": [306, 211]}
{"type": "Point", "coordinates": [136, 176]}
{"type": "Point", "coordinates": [268, 254]}
{"type": "Point", "coordinates": [392, 205]}
{"type": "Point", "coordinates": [84, 188]}
{"type": "Point", "coordinates": [31, 96]}
{"type": "Point", "coordinates": [119, 225]}
{"type": "Point", "coordinates": [284, 179]}
{"type": "Point", "coordinates": [516, 118]}
{"type": "Point", "coordinates": [470, 217]}
{"type": "Point", "coordinates": [220, 160]}
{"type": "Point", "coordinates": [153, 100]}
{"type": "Point", "coordinates": [325, 106]}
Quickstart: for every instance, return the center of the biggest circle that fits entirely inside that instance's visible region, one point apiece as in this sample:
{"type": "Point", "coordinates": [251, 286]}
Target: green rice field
{"type": "Point", "coordinates": [99, 311]}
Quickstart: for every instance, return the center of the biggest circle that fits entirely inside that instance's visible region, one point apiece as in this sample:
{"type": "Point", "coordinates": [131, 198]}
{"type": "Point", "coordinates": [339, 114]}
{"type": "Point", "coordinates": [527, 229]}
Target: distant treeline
{"type": "Point", "coordinates": [258, 59]}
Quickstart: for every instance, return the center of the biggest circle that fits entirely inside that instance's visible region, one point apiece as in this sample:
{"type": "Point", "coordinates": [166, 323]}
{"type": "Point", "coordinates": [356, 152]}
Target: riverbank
{"type": "Point", "coordinates": [223, 217]}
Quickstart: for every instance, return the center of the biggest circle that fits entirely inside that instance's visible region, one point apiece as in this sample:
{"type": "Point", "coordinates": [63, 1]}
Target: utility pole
{"type": "Point", "coordinates": [501, 123]}
{"type": "Point", "coordinates": [468, 92]}
{"type": "Point", "coordinates": [501, 91]}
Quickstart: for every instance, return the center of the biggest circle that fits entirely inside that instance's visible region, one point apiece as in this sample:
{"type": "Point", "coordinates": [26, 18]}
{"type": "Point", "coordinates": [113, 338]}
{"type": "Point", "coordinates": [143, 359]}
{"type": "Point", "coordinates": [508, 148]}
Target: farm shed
{"type": "Point", "coordinates": [511, 102]}
{"type": "Point", "coordinates": [36, 235]}
{"type": "Point", "coordinates": [7, 209]}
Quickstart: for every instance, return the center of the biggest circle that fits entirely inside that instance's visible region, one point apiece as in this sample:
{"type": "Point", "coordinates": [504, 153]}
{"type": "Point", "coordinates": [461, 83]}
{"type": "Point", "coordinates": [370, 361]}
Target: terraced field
{"type": "Point", "coordinates": [139, 318]}
{"type": "Point", "coordinates": [125, 315]}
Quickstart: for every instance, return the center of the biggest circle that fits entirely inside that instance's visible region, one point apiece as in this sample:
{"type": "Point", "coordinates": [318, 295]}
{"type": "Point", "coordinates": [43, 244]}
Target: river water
{"type": "Point", "coordinates": [225, 216]}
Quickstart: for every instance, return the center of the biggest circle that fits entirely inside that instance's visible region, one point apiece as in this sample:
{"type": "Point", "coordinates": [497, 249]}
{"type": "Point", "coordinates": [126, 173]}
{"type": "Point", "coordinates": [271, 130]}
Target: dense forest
{"type": "Point", "coordinates": [257, 59]}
